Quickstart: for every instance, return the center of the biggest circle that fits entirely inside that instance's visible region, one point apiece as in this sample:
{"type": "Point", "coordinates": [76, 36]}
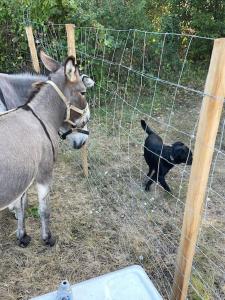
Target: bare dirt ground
{"type": "Point", "coordinates": [108, 221]}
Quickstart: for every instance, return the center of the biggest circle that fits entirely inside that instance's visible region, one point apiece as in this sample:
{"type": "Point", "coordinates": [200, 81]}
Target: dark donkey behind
{"type": "Point", "coordinates": [29, 141]}
{"type": "Point", "coordinates": [162, 158]}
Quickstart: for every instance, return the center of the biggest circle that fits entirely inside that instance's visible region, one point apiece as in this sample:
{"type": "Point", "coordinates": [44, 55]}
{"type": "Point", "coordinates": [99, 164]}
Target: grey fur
{"type": "Point", "coordinates": [16, 89]}
{"type": "Point", "coordinates": [25, 150]}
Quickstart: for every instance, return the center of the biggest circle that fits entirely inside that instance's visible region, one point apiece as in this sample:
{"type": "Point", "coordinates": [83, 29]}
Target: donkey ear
{"type": "Point", "coordinates": [70, 69]}
{"type": "Point", "coordinates": [88, 82]}
{"type": "Point", "coordinates": [49, 63]}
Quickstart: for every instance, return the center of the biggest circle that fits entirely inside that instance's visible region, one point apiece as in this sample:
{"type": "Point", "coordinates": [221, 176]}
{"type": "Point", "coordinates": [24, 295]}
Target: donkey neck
{"type": "Point", "coordinates": [48, 105]}
{"type": "Point", "coordinates": [17, 87]}
{"type": "Point", "coordinates": [21, 82]}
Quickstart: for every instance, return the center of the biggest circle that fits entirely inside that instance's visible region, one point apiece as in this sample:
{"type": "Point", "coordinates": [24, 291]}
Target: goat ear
{"type": "Point", "coordinates": [49, 63]}
{"type": "Point", "coordinates": [88, 82]}
{"type": "Point", "coordinates": [70, 69]}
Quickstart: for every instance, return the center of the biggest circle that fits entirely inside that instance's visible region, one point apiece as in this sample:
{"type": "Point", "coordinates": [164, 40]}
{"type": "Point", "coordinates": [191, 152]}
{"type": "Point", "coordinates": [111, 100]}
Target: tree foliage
{"type": "Point", "coordinates": [200, 17]}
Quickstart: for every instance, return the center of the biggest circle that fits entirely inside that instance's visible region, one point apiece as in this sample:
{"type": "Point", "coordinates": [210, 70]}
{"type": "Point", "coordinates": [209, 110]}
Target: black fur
{"type": "Point", "coordinates": [177, 153]}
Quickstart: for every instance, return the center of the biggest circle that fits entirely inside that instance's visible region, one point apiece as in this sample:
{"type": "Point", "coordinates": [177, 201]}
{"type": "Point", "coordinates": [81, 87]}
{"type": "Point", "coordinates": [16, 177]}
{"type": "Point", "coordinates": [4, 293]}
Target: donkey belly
{"type": "Point", "coordinates": [19, 158]}
{"type": "Point", "coordinates": [23, 145]}
{"type": "Point", "coordinates": [14, 181]}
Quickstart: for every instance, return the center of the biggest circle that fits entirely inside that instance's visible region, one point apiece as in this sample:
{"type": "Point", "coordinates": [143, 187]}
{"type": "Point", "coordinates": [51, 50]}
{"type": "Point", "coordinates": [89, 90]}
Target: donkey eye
{"type": "Point", "coordinates": [83, 93]}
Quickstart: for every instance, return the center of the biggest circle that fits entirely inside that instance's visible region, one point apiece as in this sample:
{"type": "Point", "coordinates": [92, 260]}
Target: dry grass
{"type": "Point", "coordinates": [108, 221]}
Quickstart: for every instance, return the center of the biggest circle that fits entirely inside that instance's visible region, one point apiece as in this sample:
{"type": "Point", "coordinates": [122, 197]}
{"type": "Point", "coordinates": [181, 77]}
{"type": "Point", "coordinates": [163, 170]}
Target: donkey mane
{"type": "Point", "coordinates": [27, 76]}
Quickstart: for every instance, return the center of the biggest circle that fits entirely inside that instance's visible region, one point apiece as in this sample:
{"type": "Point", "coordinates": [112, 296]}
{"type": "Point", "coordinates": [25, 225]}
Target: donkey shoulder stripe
{"type": "Point", "coordinates": [27, 107]}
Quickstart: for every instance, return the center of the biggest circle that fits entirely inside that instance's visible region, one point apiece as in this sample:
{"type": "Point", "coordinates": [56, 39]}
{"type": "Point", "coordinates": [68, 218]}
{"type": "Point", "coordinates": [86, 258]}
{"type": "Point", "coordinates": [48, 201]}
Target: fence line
{"type": "Point", "coordinates": [116, 108]}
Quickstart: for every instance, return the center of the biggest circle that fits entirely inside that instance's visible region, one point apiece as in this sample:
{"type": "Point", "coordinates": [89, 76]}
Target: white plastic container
{"type": "Point", "coordinates": [64, 291]}
{"type": "Point", "coordinates": [131, 283]}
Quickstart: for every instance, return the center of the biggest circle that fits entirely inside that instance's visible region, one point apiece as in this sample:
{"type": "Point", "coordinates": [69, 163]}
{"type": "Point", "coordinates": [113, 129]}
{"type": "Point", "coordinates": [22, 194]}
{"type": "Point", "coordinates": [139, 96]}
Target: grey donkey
{"type": "Point", "coordinates": [15, 90]}
{"type": "Point", "coordinates": [29, 141]}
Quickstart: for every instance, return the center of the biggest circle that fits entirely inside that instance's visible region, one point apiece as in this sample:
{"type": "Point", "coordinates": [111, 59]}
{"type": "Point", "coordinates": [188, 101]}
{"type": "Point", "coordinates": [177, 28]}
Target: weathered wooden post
{"type": "Point", "coordinates": [70, 31]}
{"type": "Point", "coordinates": [32, 47]}
{"type": "Point", "coordinates": [205, 141]}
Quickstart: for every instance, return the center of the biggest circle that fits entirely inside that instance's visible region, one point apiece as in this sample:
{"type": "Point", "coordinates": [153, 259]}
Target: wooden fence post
{"type": "Point", "coordinates": [70, 31]}
{"type": "Point", "coordinates": [33, 51]}
{"type": "Point", "coordinates": [205, 141]}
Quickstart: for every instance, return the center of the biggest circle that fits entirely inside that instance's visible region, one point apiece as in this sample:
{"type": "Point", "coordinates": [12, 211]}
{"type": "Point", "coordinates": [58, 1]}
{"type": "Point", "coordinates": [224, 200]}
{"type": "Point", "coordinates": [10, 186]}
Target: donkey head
{"type": "Point", "coordinates": [75, 92]}
{"type": "Point", "coordinates": [73, 87]}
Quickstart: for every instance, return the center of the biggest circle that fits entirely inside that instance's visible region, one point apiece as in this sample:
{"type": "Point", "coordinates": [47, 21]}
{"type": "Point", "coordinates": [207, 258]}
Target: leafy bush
{"type": "Point", "coordinates": [199, 17]}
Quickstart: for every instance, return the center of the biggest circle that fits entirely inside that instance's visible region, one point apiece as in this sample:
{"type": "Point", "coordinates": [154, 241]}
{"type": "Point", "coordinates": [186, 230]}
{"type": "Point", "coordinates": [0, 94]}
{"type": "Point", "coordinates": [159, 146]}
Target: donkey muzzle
{"type": "Point", "coordinates": [64, 134]}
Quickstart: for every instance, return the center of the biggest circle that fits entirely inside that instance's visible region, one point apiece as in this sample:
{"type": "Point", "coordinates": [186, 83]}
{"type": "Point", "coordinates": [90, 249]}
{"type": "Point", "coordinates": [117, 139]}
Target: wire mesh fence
{"type": "Point", "coordinates": [150, 76]}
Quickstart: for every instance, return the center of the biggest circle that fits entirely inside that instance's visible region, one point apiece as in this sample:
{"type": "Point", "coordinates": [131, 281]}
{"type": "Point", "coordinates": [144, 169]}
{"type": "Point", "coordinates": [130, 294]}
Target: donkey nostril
{"type": "Point", "coordinates": [76, 145]}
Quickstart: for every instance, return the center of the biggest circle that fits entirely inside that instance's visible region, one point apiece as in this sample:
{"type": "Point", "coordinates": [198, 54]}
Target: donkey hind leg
{"type": "Point", "coordinates": [13, 209]}
{"type": "Point", "coordinates": [20, 205]}
{"type": "Point", "coordinates": [43, 197]}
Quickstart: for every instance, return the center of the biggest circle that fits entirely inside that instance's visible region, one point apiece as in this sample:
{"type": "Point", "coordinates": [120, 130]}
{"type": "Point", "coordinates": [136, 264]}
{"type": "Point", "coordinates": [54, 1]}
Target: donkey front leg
{"type": "Point", "coordinates": [20, 205]}
{"type": "Point", "coordinates": [43, 196]}
{"type": "Point", "coordinates": [13, 209]}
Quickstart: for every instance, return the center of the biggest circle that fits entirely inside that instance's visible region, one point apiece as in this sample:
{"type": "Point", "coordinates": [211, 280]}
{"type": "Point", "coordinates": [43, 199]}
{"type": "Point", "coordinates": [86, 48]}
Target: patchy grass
{"type": "Point", "coordinates": [108, 221]}
{"type": "Point", "coordinates": [199, 289]}
{"type": "Point", "coordinates": [32, 211]}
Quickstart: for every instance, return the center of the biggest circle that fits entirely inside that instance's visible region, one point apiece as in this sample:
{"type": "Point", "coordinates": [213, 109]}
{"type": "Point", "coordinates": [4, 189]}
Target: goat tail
{"type": "Point", "coordinates": [145, 127]}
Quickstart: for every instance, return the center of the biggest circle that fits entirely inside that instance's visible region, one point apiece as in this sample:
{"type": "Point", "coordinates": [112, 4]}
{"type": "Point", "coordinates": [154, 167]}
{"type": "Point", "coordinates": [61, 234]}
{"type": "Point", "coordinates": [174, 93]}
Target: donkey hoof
{"type": "Point", "coordinates": [24, 241]}
{"type": "Point", "coordinates": [49, 241]}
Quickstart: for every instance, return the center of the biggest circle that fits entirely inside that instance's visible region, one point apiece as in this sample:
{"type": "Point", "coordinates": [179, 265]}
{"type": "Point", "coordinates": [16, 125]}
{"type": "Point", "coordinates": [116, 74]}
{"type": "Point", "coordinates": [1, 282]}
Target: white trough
{"type": "Point", "coordinates": [130, 283]}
